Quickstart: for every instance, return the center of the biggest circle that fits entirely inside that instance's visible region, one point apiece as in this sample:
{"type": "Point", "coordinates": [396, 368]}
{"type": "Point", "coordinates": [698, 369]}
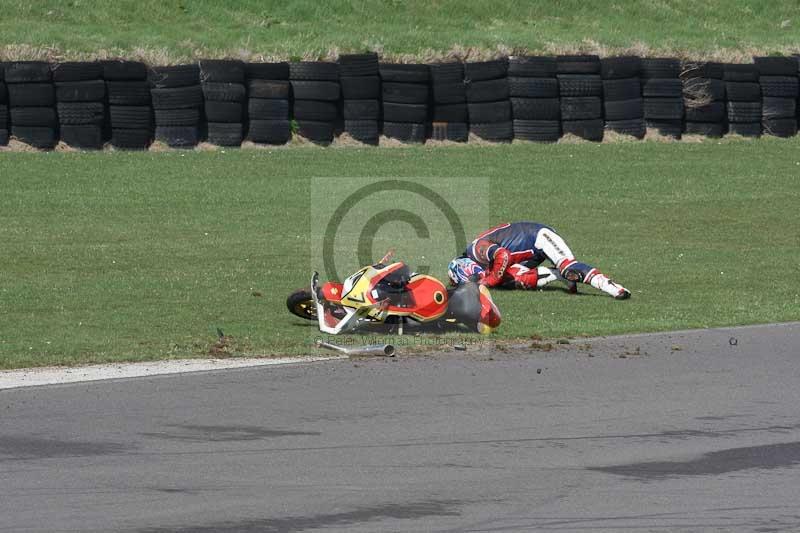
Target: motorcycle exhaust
{"type": "Point", "coordinates": [386, 350]}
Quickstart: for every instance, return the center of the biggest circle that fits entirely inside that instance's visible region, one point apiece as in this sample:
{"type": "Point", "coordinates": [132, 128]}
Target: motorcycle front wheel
{"type": "Point", "coordinates": [301, 303]}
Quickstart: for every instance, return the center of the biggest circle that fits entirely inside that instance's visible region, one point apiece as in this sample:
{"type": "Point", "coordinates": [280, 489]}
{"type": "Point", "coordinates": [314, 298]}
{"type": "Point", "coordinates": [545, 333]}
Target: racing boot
{"type": "Point", "coordinates": [600, 281]}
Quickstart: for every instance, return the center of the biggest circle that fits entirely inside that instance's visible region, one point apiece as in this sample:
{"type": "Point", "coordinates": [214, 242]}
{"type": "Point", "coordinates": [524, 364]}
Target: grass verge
{"type": "Point", "coordinates": [170, 31]}
{"type": "Point", "coordinates": [133, 256]}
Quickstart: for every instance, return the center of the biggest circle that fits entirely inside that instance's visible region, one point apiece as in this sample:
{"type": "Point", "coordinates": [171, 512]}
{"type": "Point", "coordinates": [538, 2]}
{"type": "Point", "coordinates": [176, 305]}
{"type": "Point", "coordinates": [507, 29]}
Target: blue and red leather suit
{"type": "Point", "coordinates": [509, 254]}
{"type": "Point", "coordinates": [519, 243]}
{"type": "Point", "coordinates": [519, 238]}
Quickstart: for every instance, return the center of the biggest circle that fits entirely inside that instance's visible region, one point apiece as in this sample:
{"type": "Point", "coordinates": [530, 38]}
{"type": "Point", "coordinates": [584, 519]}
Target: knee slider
{"type": "Point", "coordinates": [576, 272]}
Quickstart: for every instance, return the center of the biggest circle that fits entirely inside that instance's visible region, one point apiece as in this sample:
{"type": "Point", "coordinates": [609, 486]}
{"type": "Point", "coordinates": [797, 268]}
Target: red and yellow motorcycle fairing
{"type": "Point", "coordinates": [432, 292]}
{"type": "Point", "coordinates": [427, 302]}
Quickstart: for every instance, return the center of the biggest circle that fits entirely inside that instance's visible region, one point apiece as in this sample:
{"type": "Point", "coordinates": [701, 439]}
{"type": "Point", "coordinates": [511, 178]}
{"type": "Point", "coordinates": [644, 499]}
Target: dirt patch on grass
{"type": "Point", "coordinates": [541, 346]}
{"type": "Point", "coordinates": [15, 145]}
{"type": "Point", "coordinates": [526, 142]}
{"type": "Point", "coordinates": [65, 148]}
{"type": "Point", "coordinates": [250, 145]}
{"type": "Point", "coordinates": [304, 142]}
{"type": "Point", "coordinates": [612, 137]}
{"type": "Point", "coordinates": [159, 146]}
{"type": "Point", "coordinates": [345, 140]}
{"type": "Point", "coordinates": [223, 347]}
{"type": "Point", "coordinates": [436, 143]}
{"type": "Point", "coordinates": [692, 138]}
{"type": "Point", "coordinates": [735, 137]}
{"type": "Point", "coordinates": [208, 147]}
{"type": "Point", "coordinates": [653, 135]}
{"type": "Point", "coordinates": [390, 142]}
{"type": "Point", "coordinates": [227, 346]}
{"type": "Point", "coordinates": [569, 138]}
{"type": "Point", "coordinates": [479, 141]}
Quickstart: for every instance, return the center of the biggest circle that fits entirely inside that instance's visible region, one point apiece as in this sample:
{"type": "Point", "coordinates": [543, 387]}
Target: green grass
{"type": "Point", "coordinates": [186, 28]}
{"type": "Point", "coordinates": [137, 256]}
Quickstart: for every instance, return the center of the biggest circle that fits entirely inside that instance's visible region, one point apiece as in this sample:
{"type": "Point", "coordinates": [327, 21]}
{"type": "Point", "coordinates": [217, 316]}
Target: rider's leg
{"type": "Point", "coordinates": [522, 277]}
{"type": "Point", "coordinates": [559, 253]}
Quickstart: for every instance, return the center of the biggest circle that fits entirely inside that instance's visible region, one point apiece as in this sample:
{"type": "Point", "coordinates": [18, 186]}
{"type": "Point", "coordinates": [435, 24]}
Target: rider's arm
{"type": "Point", "coordinates": [494, 256]}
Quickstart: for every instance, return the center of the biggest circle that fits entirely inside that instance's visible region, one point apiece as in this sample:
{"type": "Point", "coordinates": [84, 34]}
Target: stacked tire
{"type": "Point", "coordinates": [535, 105]}
{"type": "Point", "coordinates": [662, 96]}
{"type": "Point", "coordinates": [580, 89]}
{"type": "Point", "coordinates": [704, 99]}
{"type": "Point", "coordinates": [177, 104]}
{"type": "Point", "coordinates": [32, 103]}
{"type": "Point", "coordinates": [268, 103]}
{"type": "Point", "coordinates": [405, 90]}
{"type": "Point", "coordinates": [359, 76]}
{"type": "Point", "coordinates": [129, 109]}
{"type": "Point", "coordinates": [80, 98]}
{"type": "Point", "coordinates": [779, 90]}
{"type": "Point", "coordinates": [449, 114]}
{"type": "Point", "coordinates": [743, 94]}
{"type": "Point", "coordinates": [3, 107]}
{"type": "Point", "coordinates": [622, 95]}
{"type": "Point", "coordinates": [488, 100]}
{"type": "Point", "coordinates": [224, 95]}
{"type": "Point", "coordinates": [316, 91]}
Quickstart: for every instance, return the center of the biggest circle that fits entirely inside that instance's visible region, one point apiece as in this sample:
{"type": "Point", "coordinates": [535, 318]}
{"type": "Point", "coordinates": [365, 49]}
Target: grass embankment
{"type": "Point", "coordinates": [163, 31]}
{"type": "Point", "coordinates": [136, 256]}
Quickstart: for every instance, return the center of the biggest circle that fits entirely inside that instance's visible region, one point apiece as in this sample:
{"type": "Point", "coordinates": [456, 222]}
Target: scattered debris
{"type": "Point", "coordinates": [677, 348]}
{"type": "Point", "coordinates": [544, 347]}
{"type": "Point", "coordinates": [538, 370]}
{"type": "Point", "coordinates": [460, 347]}
{"type": "Point", "coordinates": [386, 350]}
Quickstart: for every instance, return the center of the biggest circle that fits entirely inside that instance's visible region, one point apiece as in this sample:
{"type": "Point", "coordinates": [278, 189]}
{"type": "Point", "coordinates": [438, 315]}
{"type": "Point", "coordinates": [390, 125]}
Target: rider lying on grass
{"type": "Point", "coordinates": [510, 255]}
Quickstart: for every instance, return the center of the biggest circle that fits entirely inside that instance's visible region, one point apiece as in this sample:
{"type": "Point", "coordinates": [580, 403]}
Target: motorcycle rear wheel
{"type": "Point", "coordinates": [301, 303]}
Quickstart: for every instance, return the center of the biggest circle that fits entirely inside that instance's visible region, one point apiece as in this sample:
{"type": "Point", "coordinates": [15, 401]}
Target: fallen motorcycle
{"type": "Point", "coordinates": [391, 295]}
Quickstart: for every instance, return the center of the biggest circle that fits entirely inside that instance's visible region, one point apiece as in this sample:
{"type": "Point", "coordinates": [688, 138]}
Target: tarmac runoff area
{"type": "Point", "coordinates": [694, 431]}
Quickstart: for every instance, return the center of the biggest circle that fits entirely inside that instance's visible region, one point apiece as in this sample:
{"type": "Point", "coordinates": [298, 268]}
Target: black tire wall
{"type": "Point", "coordinates": [528, 98]}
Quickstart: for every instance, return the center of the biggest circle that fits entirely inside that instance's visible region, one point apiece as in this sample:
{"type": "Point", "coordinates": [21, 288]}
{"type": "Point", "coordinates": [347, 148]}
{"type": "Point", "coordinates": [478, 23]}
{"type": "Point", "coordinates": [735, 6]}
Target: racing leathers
{"type": "Point", "coordinates": [512, 253]}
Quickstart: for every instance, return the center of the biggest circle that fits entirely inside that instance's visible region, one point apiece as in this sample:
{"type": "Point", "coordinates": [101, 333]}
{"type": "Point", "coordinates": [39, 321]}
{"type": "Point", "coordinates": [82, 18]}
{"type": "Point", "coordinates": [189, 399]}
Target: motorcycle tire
{"type": "Point", "coordinates": [301, 303]}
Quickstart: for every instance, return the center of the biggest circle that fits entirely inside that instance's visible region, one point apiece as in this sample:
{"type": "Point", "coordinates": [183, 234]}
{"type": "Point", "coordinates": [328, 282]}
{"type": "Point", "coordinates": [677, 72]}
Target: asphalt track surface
{"type": "Point", "coordinates": [689, 431]}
